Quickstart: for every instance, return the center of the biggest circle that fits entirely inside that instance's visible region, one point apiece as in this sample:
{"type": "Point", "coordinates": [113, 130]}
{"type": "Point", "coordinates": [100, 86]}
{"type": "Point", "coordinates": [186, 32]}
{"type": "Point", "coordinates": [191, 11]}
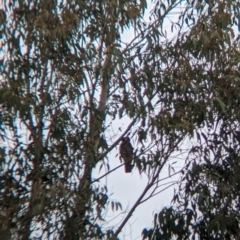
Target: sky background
{"type": "Point", "coordinates": [126, 188]}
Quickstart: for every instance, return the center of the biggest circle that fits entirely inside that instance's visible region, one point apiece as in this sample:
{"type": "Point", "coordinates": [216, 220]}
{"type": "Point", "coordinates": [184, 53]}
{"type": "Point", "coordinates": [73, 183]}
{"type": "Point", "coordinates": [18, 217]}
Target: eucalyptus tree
{"type": "Point", "coordinates": [67, 78]}
{"type": "Point", "coordinates": [206, 60]}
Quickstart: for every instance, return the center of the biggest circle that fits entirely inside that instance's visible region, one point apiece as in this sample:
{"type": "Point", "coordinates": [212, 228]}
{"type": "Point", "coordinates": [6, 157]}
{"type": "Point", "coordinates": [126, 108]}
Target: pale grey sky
{"type": "Point", "coordinates": [126, 188]}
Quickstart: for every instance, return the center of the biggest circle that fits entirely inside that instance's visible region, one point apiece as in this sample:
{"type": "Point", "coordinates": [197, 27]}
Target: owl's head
{"type": "Point", "coordinates": [126, 139]}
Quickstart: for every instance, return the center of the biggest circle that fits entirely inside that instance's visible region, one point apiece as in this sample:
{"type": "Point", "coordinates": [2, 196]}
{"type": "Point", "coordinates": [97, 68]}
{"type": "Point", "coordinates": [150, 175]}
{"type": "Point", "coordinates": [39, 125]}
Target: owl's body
{"type": "Point", "coordinates": [126, 153]}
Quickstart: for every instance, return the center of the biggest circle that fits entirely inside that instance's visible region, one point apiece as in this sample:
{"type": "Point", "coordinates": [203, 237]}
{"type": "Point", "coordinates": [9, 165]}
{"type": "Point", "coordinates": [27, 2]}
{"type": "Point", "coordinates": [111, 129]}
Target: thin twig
{"type": "Point", "coordinates": [158, 192]}
{"type": "Point", "coordinates": [96, 180]}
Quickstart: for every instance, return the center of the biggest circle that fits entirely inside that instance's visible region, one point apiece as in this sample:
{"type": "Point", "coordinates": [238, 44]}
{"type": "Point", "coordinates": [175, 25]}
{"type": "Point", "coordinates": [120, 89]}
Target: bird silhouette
{"type": "Point", "coordinates": [126, 153]}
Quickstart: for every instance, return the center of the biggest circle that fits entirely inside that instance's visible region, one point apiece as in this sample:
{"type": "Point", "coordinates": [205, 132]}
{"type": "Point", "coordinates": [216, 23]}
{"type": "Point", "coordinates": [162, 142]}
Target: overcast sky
{"type": "Point", "coordinates": [126, 188]}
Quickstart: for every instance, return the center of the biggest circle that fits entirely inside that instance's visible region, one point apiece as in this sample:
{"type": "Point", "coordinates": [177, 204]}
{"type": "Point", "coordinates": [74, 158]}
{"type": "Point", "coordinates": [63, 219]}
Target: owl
{"type": "Point", "coordinates": [126, 153]}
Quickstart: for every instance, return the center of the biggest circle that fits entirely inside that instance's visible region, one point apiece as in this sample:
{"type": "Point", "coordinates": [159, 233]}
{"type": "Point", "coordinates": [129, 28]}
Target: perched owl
{"type": "Point", "coordinates": [126, 153]}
